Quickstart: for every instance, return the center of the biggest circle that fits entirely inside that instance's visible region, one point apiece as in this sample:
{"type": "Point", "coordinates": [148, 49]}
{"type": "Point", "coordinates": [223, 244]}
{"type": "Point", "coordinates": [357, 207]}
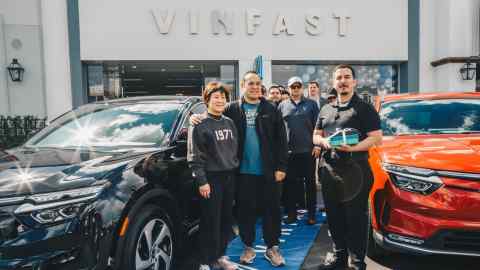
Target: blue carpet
{"type": "Point", "coordinates": [295, 242]}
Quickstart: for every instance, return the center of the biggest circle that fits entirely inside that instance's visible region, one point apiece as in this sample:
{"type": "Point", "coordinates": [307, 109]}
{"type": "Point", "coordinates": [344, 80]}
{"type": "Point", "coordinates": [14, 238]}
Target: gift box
{"type": "Point", "coordinates": [344, 137]}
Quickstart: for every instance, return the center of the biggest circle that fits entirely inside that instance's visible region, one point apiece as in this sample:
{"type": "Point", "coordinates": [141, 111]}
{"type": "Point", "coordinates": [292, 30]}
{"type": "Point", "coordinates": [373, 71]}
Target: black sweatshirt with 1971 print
{"type": "Point", "coordinates": [212, 147]}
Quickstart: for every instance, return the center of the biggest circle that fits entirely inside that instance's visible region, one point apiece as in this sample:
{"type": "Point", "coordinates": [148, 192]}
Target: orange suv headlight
{"type": "Point", "coordinates": [412, 179]}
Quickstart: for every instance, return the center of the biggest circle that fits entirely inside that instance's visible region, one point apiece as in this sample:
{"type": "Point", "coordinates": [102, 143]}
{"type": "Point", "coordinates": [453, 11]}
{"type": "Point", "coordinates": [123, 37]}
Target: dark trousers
{"type": "Point", "coordinates": [216, 217]}
{"type": "Point", "coordinates": [296, 189]}
{"type": "Point", "coordinates": [256, 196]}
{"type": "Point", "coordinates": [348, 221]}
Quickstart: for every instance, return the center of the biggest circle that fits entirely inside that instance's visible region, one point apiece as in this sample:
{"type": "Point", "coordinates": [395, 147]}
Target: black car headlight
{"type": "Point", "coordinates": [57, 207]}
{"type": "Point", "coordinates": [412, 179]}
{"type": "Point", "coordinates": [57, 215]}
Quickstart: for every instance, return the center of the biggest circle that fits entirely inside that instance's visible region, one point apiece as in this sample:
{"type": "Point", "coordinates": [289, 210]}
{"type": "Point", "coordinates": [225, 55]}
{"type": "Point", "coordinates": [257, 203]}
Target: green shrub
{"type": "Point", "coordinates": [15, 130]}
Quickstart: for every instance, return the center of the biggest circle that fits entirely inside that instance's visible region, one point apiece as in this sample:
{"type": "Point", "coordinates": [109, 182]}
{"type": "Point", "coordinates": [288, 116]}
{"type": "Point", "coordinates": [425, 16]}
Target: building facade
{"type": "Point", "coordinates": [78, 51]}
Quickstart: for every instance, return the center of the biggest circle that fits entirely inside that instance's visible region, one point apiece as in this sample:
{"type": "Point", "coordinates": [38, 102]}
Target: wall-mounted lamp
{"type": "Point", "coordinates": [15, 70]}
{"type": "Point", "coordinates": [468, 71]}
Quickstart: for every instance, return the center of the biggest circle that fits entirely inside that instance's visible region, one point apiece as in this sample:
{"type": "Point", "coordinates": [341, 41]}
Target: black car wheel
{"type": "Point", "coordinates": [150, 241]}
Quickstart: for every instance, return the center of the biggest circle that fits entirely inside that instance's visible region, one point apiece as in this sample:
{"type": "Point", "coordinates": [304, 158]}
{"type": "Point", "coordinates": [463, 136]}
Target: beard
{"type": "Point", "coordinates": [344, 91]}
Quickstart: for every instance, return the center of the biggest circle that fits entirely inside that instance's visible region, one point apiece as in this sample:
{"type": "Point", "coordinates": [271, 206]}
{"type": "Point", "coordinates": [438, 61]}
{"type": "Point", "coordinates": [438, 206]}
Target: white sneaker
{"type": "Point", "coordinates": [204, 267]}
{"type": "Point", "coordinates": [226, 264]}
{"type": "Point", "coordinates": [274, 256]}
{"type": "Point", "coordinates": [248, 255]}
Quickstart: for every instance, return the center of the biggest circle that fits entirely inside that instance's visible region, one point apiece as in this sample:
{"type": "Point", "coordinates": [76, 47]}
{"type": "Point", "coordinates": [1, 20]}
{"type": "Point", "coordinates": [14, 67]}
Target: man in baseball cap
{"type": "Point", "coordinates": [294, 80]}
{"type": "Point", "coordinates": [300, 115]}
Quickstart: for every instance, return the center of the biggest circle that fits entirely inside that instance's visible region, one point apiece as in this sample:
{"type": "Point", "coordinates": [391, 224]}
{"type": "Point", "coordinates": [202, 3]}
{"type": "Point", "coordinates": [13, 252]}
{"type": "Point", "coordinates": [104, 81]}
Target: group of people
{"type": "Point", "coordinates": [241, 153]}
{"type": "Point", "coordinates": [277, 93]}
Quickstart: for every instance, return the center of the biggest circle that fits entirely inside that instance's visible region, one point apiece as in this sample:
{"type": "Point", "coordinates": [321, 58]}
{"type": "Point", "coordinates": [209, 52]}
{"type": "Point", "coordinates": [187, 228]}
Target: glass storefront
{"type": "Point", "coordinates": [112, 80]}
{"type": "Point", "coordinates": [373, 79]}
{"type": "Point", "coordinates": [128, 79]}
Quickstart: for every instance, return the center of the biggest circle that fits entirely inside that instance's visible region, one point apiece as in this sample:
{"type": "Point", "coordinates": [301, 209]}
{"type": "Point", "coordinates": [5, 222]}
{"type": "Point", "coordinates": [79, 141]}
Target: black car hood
{"type": "Point", "coordinates": [26, 171]}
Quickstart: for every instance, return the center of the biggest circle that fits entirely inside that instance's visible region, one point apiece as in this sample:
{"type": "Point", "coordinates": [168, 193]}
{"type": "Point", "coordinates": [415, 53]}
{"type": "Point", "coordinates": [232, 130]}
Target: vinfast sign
{"type": "Point", "coordinates": [222, 21]}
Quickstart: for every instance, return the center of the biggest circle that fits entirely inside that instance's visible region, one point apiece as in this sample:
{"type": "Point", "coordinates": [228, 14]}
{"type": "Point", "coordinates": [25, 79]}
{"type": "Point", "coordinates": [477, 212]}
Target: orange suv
{"type": "Point", "coordinates": [426, 194]}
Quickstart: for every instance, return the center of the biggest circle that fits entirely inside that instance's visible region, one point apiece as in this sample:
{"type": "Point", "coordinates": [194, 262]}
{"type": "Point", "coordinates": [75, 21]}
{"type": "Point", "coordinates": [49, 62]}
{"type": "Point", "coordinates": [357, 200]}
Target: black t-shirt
{"type": "Point", "coordinates": [358, 114]}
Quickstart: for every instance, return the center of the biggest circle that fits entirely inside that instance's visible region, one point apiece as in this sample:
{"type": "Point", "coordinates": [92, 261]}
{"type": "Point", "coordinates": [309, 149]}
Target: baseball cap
{"type": "Point", "coordinates": [332, 93]}
{"type": "Point", "coordinates": [294, 80]}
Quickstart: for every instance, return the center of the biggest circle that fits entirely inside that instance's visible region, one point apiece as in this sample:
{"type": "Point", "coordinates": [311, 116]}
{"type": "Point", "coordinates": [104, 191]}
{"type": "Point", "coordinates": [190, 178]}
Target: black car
{"type": "Point", "coordinates": [105, 186]}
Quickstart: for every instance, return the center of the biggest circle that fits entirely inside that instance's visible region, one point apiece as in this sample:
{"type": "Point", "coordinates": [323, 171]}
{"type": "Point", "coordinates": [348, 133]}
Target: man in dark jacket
{"type": "Point", "coordinates": [300, 115]}
{"type": "Point", "coordinates": [263, 157]}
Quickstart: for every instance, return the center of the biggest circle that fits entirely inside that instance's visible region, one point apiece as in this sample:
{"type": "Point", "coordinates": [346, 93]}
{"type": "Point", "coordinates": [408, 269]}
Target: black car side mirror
{"type": "Point", "coordinates": [181, 143]}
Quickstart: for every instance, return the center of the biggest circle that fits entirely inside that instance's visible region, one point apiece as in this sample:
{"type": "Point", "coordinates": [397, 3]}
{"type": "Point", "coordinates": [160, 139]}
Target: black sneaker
{"type": "Point", "coordinates": [334, 262]}
{"type": "Point", "coordinates": [292, 218]}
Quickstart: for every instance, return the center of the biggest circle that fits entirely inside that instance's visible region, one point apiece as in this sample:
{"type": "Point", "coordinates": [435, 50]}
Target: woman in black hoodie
{"type": "Point", "coordinates": [212, 155]}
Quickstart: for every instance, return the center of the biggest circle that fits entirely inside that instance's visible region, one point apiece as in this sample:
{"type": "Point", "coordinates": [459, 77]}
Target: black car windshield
{"type": "Point", "coordinates": [111, 126]}
{"type": "Point", "coordinates": [441, 116]}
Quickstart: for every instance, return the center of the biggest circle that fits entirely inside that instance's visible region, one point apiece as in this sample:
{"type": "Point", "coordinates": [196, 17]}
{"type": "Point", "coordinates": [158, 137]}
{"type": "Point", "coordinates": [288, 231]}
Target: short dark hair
{"type": "Point", "coordinates": [314, 82]}
{"type": "Point", "coordinates": [284, 92]}
{"type": "Point", "coordinates": [213, 87]}
{"type": "Point", "coordinates": [342, 66]}
{"type": "Point", "coordinates": [248, 73]}
{"type": "Point", "coordinates": [274, 86]}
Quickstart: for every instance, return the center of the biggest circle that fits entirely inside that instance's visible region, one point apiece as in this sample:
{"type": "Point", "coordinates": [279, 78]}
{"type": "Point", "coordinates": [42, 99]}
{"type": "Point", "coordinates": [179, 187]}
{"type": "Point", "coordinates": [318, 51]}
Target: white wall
{"type": "Point", "coordinates": [126, 30]}
{"type": "Point", "coordinates": [20, 23]}
{"type": "Point", "coordinates": [27, 96]}
{"type": "Point", "coordinates": [41, 27]}
{"type": "Point", "coordinates": [448, 28]}
{"type": "Point", "coordinates": [427, 45]}
{"type": "Point", "coordinates": [20, 12]}
{"type": "Point", "coordinates": [57, 61]}
{"type": "Point", "coordinates": [4, 93]}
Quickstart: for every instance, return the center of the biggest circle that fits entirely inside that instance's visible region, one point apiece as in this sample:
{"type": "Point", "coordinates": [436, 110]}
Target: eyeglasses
{"type": "Point", "coordinates": [296, 86]}
{"type": "Point", "coordinates": [251, 83]}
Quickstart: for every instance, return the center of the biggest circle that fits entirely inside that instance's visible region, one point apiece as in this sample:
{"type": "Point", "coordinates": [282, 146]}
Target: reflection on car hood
{"type": "Point", "coordinates": [460, 153]}
{"type": "Point", "coordinates": [29, 171]}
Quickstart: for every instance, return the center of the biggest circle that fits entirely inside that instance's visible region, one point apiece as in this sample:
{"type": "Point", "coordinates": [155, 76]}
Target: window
{"type": "Point", "coordinates": [109, 80]}
{"type": "Point", "coordinates": [197, 109]}
{"type": "Point", "coordinates": [112, 127]}
{"type": "Point", "coordinates": [448, 116]}
{"type": "Point", "coordinates": [103, 82]}
{"type": "Point", "coordinates": [371, 78]}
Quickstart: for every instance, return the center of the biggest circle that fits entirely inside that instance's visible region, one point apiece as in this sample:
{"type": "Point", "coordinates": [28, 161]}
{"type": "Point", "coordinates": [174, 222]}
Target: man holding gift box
{"type": "Point", "coordinates": [346, 174]}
